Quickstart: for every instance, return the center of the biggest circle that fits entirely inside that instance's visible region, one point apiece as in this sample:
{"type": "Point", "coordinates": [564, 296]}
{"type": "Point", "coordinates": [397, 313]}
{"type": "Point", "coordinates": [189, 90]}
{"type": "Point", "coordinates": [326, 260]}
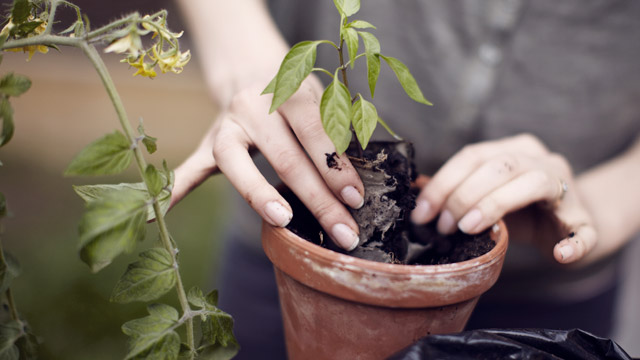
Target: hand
{"type": "Point", "coordinates": [486, 181]}
{"type": "Point", "coordinates": [282, 137]}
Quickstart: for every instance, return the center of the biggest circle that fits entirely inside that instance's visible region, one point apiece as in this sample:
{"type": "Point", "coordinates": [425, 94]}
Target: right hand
{"type": "Point", "coordinates": [282, 137]}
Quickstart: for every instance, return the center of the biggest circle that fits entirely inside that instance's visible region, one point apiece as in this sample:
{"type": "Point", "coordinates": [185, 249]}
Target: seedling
{"type": "Point", "coordinates": [342, 113]}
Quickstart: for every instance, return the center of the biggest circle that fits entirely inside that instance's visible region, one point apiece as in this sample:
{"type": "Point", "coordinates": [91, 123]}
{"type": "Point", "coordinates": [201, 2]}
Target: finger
{"type": "Point", "coordinates": [576, 245]}
{"type": "Point", "coordinates": [488, 177]}
{"type": "Point", "coordinates": [302, 113]}
{"type": "Point", "coordinates": [527, 188]}
{"type": "Point", "coordinates": [194, 170]}
{"type": "Point", "coordinates": [232, 156]}
{"type": "Point", "coordinates": [295, 169]}
{"type": "Point", "coordinates": [431, 199]}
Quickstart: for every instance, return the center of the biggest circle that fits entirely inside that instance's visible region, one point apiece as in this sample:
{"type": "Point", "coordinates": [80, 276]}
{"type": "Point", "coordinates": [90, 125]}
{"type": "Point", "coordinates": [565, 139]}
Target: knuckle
{"type": "Point", "coordinates": [458, 203]}
{"type": "Point", "coordinates": [561, 162]}
{"type": "Point", "coordinates": [287, 163]}
{"type": "Point", "coordinates": [324, 209]}
{"type": "Point", "coordinates": [505, 163]}
{"type": "Point", "coordinates": [533, 142]}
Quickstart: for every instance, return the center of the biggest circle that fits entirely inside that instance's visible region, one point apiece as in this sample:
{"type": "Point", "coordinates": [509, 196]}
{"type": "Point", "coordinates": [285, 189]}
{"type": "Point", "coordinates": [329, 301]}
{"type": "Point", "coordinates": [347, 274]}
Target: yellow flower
{"type": "Point", "coordinates": [31, 49]}
{"type": "Point", "coordinates": [144, 69]}
{"type": "Point", "coordinates": [173, 61]}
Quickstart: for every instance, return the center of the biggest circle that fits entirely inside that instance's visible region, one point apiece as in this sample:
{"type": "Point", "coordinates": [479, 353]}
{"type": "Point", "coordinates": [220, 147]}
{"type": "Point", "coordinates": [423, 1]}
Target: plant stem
{"type": "Point", "coordinates": [343, 68]}
{"type": "Point", "coordinates": [101, 68]}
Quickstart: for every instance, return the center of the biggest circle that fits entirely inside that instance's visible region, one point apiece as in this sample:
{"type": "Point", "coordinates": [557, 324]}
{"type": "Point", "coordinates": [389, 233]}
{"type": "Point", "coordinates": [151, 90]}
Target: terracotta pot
{"type": "Point", "coordinates": [336, 306]}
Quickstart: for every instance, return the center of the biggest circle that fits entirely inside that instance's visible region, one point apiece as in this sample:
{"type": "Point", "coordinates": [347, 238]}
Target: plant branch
{"type": "Point", "coordinates": [323, 70]}
{"type": "Point", "coordinates": [52, 15]}
{"type": "Point", "coordinates": [101, 68]}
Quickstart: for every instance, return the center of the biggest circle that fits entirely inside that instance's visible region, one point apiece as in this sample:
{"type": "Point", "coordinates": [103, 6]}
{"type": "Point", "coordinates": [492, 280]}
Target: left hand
{"type": "Point", "coordinates": [486, 181]}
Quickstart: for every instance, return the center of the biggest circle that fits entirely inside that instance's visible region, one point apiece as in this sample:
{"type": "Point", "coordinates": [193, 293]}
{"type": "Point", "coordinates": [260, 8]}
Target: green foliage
{"type": "Point", "coordinates": [14, 85]}
{"type": "Point", "coordinates": [147, 279]}
{"type": "Point", "coordinates": [218, 341]}
{"type": "Point", "coordinates": [338, 117]}
{"type": "Point", "coordinates": [154, 336]}
{"type": "Point", "coordinates": [108, 155]}
{"type": "Point", "coordinates": [112, 225]}
{"type": "Point", "coordinates": [335, 111]}
{"type": "Point", "coordinates": [365, 118]}
{"type": "Point", "coordinates": [94, 192]}
{"type": "Point", "coordinates": [149, 142]}
{"type": "Point", "coordinates": [16, 342]}
{"type": "Point", "coordinates": [407, 81]}
{"type": "Point", "coordinates": [3, 206]}
{"type": "Point", "coordinates": [6, 114]}
{"type": "Point", "coordinates": [296, 66]}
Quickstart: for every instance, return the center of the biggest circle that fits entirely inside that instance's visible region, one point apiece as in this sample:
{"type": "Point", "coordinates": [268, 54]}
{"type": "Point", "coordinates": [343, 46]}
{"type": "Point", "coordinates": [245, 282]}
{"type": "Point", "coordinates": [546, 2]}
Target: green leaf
{"type": "Point", "coordinates": [112, 225]}
{"type": "Point", "coordinates": [26, 28]}
{"type": "Point", "coordinates": [295, 67]}
{"type": "Point", "coordinates": [407, 80]}
{"type": "Point", "coordinates": [93, 192]}
{"type": "Point", "coordinates": [347, 7]}
{"type": "Point", "coordinates": [335, 111]}
{"type": "Point", "coordinates": [372, 50]}
{"type": "Point", "coordinates": [364, 118]}
{"type": "Point", "coordinates": [9, 335]}
{"type": "Point", "coordinates": [218, 329]}
{"type": "Point", "coordinates": [197, 298]}
{"type": "Point", "coordinates": [147, 279]}
{"type": "Point", "coordinates": [360, 24]}
{"type": "Point", "coordinates": [152, 337]}
{"type": "Point", "coordinates": [14, 85]}
{"type": "Point", "coordinates": [391, 132]}
{"type": "Point", "coordinates": [9, 270]}
{"type": "Point", "coordinates": [6, 114]}
{"type": "Point", "coordinates": [351, 38]}
{"type": "Point", "coordinates": [149, 142]}
{"type": "Point", "coordinates": [155, 181]}
{"type": "Point", "coordinates": [271, 87]}
{"type": "Point", "coordinates": [108, 155]}
{"type": "Point", "coordinates": [28, 347]}
{"type": "Point", "coordinates": [218, 352]}
{"type": "Point", "coordinates": [20, 11]}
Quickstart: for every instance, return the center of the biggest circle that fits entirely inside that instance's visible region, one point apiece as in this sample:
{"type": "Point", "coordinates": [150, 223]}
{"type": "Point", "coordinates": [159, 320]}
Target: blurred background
{"type": "Point", "coordinates": [67, 108]}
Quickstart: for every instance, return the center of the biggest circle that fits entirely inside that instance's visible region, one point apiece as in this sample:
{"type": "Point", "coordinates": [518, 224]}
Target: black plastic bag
{"type": "Point", "coordinates": [514, 344]}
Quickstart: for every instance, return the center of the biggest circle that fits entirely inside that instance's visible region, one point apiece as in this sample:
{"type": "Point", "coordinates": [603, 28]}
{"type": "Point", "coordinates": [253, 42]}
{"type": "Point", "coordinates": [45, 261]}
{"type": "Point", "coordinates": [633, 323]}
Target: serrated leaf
{"type": "Point", "coordinates": [198, 299]}
{"type": "Point", "coordinates": [147, 279]}
{"type": "Point", "coordinates": [111, 226]}
{"type": "Point", "coordinates": [14, 85]}
{"type": "Point", "coordinates": [218, 329]}
{"type": "Point", "coordinates": [364, 118]}
{"type": "Point", "coordinates": [335, 111]}
{"type": "Point", "coordinates": [108, 155]}
{"type": "Point", "coordinates": [347, 7]}
{"type": "Point", "coordinates": [360, 24]}
{"type": "Point", "coordinates": [20, 11]}
{"type": "Point", "coordinates": [6, 114]}
{"type": "Point", "coordinates": [93, 192]}
{"type": "Point", "coordinates": [407, 80]}
{"type": "Point", "coordinates": [391, 132]}
{"type": "Point", "coordinates": [155, 180]}
{"type": "Point", "coordinates": [372, 50]}
{"type": "Point", "coordinates": [296, 66]}
{"type": "Point", "coordinates": [152, 337]}
{"type": "Point", "coordinates": [271, 87]}
{"type": "Point", "coordinates": [351, 38]}
{"type": "Point", "coordinates": [9, 270]}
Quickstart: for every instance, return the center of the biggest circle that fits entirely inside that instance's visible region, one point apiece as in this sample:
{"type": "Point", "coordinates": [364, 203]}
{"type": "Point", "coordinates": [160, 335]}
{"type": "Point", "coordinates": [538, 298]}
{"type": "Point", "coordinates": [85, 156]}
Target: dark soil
{"type": "Point", "coordinates": [386, 234]}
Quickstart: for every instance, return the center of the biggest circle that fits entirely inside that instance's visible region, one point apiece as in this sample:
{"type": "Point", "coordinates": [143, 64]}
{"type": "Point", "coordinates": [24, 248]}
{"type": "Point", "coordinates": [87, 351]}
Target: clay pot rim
{"type": "Point", "coordinates": [329, 256]}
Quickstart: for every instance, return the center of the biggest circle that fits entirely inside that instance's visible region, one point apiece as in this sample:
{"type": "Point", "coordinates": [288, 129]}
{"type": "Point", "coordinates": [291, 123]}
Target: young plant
{"type": "Point", "coordinates": [343, 113]}
{"type": "Point", "coordinates": [116, 215]}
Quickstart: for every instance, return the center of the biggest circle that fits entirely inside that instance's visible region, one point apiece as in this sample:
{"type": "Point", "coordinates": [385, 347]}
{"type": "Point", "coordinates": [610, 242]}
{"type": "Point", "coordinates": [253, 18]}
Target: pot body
{"type": "Point", "coordinates": [336, 306]}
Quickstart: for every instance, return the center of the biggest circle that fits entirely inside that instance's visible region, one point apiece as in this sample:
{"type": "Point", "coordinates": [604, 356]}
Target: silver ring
{"type": "Point", "coordinates": [564, 187]}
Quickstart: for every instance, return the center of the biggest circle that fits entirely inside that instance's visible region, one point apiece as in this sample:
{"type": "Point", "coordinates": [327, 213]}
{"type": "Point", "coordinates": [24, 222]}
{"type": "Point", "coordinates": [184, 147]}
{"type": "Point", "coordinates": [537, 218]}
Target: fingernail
{"type": "Point", "coordinates": [470, 221]}
{"type": "Point", "coordinates": [420, 213]}
{"type": "Point", "coordinates": [566, 252]}
{"type": "Point", "coordinates": [446, 224]}
{"type": "Point", "coordinates": [352, 197]}
{"type": "Point", "coordinates": [344, 236]}
{"type": "Point", "coordinates": [277, 215]}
